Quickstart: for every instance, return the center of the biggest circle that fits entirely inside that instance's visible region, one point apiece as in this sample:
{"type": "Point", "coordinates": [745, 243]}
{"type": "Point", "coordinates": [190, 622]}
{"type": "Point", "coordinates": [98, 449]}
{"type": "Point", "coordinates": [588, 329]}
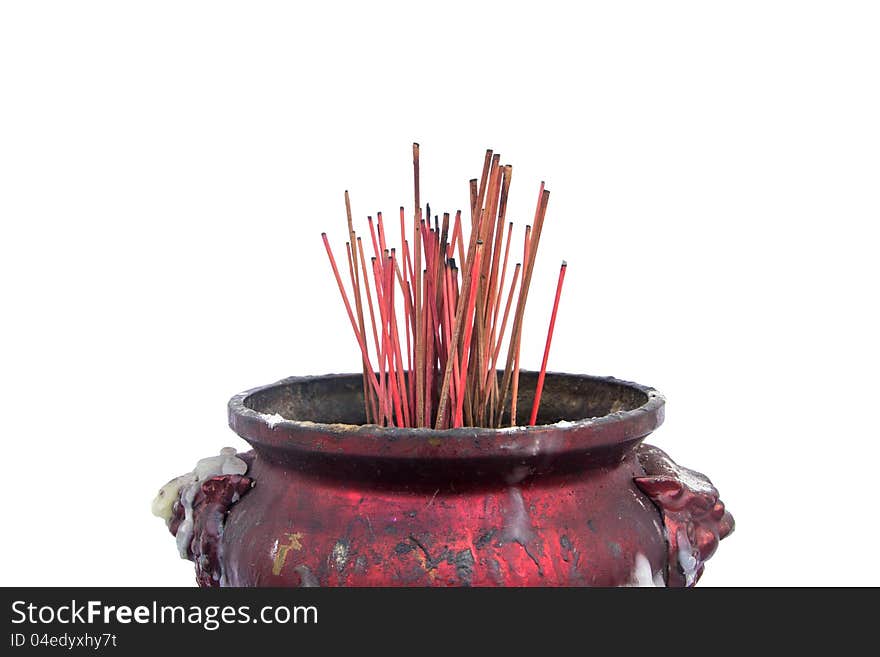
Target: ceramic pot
{"type": "Point", "coordinates": [322, 499]}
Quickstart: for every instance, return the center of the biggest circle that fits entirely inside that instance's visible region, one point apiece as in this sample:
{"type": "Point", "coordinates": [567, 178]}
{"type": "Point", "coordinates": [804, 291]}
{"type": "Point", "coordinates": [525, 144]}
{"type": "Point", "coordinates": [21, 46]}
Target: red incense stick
{"type": "Point", "coordinates": [540, 386]}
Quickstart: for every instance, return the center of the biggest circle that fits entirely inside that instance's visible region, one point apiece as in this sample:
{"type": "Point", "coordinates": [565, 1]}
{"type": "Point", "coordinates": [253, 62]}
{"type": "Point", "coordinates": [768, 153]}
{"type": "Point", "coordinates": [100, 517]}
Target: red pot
{"type": "Point", "coordinates": [325, 500]}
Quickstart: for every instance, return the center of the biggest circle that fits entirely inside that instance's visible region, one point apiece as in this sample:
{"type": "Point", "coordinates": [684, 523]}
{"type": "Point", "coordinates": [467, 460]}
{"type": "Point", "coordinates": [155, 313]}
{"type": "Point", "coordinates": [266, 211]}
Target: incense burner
{"type": "Point", "coordinates": [324, 500]}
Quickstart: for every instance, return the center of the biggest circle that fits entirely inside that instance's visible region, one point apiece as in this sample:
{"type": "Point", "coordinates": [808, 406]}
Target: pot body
{"type": "Point", "coordinates": [593, 527]}
{"type": "Point", "coordinates": [329, 501]}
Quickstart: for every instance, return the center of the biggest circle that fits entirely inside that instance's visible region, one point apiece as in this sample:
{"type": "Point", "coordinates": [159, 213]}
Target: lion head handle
{"type": "Point", "coordinates": [694, 517]}
{"type": "Point", "coordinates": [194, 507]}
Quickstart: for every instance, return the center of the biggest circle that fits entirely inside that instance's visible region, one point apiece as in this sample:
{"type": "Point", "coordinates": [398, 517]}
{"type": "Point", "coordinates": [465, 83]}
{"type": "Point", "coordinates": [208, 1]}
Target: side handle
{"type": "Point", "coordinates": [694, 517]}
{"type": "Point", "coordinates": [194, 507]}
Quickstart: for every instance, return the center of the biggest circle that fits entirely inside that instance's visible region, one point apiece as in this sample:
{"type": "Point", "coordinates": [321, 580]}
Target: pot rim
{"type": "Point", "coordinates": [262, 430]}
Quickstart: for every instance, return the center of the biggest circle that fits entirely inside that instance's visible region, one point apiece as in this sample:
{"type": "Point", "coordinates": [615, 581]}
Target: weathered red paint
{"type": "Point", "coordinates": [553, 505]}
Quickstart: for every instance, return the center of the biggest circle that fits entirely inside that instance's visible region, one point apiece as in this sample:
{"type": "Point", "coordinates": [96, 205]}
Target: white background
{"type": "Point", "coordinates": [166, 169]}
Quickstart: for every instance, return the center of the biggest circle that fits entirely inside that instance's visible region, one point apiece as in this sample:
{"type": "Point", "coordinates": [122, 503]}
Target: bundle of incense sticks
{"type": "Point", "coordinates": [436, 324]}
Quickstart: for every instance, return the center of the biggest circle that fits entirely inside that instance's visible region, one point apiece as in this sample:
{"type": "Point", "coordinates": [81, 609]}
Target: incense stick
{"type": "Point", "coordinates": [443, 288]}
{"type": "Point", "coordinates": [540, 385]}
